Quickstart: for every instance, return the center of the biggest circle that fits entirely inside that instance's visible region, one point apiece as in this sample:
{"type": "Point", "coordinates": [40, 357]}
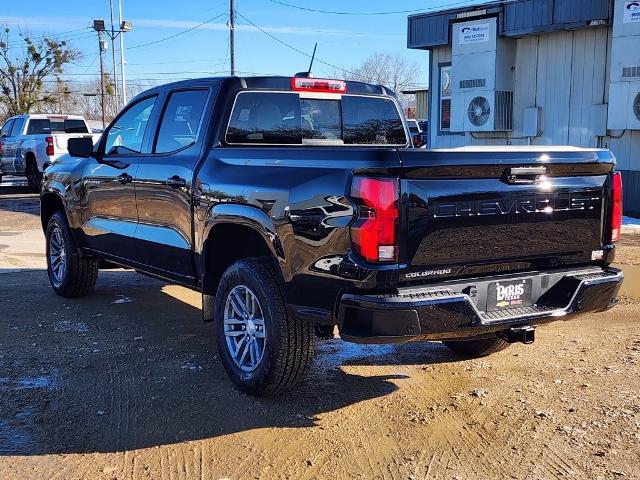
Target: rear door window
{"type": "Point", "coordinates": [270, 118]}
{"type": "Point", "coordinates": [181, 120]}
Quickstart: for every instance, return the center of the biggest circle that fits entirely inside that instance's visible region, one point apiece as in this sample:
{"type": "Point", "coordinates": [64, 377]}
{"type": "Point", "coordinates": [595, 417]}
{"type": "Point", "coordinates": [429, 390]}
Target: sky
{"type": "Point", "coordinates": [263, 27]}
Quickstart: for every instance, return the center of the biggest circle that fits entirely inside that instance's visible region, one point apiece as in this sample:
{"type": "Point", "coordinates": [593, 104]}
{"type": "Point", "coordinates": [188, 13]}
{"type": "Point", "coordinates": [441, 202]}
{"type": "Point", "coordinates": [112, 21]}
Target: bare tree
{"type": "Point", "coordinates": [89, 98]}
{"type": "Point", "coordinates": [24, 67]}
{"type": "Point", "coordinates": [393, 71]}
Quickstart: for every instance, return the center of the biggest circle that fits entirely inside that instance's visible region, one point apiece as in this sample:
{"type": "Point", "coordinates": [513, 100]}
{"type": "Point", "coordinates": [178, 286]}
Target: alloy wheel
{"type": "Point", "coordinates": [57, 256]}
{"type": "Point", "coordinates": [244, 328]}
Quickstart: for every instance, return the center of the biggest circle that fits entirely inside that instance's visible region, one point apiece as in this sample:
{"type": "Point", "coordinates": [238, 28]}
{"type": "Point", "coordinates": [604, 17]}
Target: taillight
{"type": "Point", "coordinates": [616, 207]}
{"type": "Point", "coordinates": [374, 234]}
{"type": "Point", "coordinates": [1, 147]}
{"type": "Point", "coordinates": [49, 141]}
{"type": "Point", "coordinates": [324, 85]}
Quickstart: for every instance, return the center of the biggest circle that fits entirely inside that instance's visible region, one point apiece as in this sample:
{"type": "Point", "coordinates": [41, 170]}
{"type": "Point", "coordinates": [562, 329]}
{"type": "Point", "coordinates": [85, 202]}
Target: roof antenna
{"type": "Point", "coordinates": [308, 73]}
{"type": "Point", "coordinates": [313, 57]}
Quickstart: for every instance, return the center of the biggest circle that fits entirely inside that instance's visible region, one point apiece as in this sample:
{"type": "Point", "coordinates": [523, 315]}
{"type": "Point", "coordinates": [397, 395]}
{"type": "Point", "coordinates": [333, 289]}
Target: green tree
{"type": "Point", "coordinates": [25, 64]}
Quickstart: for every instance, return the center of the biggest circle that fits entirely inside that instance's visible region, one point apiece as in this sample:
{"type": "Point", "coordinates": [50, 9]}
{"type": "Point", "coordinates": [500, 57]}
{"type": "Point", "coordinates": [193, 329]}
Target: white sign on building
{"type": "Point", "coordinates": [476, 33]}
{"type": "Point", "coordinates": [631, 12]}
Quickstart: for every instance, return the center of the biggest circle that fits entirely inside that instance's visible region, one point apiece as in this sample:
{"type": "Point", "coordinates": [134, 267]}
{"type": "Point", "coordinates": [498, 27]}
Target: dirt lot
{"type": "Point", "coordinates": [126, 384]}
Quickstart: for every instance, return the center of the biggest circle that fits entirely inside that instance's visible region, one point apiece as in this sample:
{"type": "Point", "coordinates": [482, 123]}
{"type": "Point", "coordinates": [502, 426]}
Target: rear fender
{"type": "Point", "coordinates": [238, 215]}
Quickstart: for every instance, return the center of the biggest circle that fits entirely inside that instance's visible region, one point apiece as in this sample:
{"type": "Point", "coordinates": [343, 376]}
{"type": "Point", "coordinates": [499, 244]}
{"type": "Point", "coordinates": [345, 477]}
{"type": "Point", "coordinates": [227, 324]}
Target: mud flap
{"type": "Point", "coordinates": [208, 302]}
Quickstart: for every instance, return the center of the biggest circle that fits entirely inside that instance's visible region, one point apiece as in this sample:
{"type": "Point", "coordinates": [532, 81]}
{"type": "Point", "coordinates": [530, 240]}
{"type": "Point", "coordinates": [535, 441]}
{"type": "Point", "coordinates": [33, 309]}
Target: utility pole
{"type": "Point", "coordinates": [113, 55]}
{"type": "Point", "coordinates": [124, 83]}
{"type": "Point", "coordinates": [232, 46]}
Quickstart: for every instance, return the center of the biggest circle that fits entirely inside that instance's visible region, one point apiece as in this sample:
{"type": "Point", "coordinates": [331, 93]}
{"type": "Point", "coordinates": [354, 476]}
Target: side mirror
{"type": "Point", "coordinates": [80, 147]}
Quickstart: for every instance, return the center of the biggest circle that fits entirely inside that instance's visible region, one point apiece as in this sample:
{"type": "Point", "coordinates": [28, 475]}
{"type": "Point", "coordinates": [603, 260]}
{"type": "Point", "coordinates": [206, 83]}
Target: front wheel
{"type": "Point", "coordinates": [264, 350]}
{"type": "Point", "coordinates": [70, 274]}
{"type": "Point", "coordinates": [475, 348]}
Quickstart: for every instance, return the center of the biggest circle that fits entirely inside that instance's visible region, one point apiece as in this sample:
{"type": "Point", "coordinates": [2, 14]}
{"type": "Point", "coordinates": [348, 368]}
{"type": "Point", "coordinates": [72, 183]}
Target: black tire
{"type": "Point", "coordinates": [475, 348]}
{"type": "Point", "coordinates": [288, 341]}
{"type": "Point", "coordinates": [78, 277]}
{"type": "Point", "coordinates": [34, 176]}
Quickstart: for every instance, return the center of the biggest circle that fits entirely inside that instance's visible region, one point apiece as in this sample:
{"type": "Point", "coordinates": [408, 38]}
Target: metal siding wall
{"type": "Point", "coordinates": [526, 75]}
{"type": "Point", "coordinates": [429, 30]}
{"type": "Point", "coordinates": [570, 11]}
{"type": "Point", "coordinates": [587, 84]}
{"type": "Point", "coordinates": [553, 88]}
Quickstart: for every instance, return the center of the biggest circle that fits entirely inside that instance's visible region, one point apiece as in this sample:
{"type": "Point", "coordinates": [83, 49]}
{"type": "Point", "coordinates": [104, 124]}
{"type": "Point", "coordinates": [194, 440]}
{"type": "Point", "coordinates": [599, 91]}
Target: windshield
{"type": "Point", "coordinates": [287, 119]}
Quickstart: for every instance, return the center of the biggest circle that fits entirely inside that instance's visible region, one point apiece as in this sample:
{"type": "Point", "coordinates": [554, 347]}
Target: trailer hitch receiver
{"type": "Point", "coordinates": [524, 335]}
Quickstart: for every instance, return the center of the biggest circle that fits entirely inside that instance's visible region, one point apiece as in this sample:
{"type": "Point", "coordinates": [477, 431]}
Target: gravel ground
{"type": "Point", "coordinates": [126, 384]}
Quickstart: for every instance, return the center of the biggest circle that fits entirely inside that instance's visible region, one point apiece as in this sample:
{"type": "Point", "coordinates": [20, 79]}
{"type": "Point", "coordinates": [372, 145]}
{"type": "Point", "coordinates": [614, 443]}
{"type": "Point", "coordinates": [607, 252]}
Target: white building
{"type": "Point", "coordinates": [543, 72]}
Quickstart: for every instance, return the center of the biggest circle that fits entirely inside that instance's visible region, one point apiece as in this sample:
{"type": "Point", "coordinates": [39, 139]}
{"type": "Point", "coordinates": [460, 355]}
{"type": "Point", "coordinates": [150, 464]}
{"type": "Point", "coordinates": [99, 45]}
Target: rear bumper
{"type": "Point", "coordinates": [457, 309]}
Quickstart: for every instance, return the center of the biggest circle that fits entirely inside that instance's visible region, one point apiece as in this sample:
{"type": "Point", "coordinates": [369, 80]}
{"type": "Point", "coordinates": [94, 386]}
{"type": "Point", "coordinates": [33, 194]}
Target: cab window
{"type": "Point", "coordinates": [6, 128]}
{"type": "Point", "coordinates": [125, 136]}
{"type": "Point", "coordinates": [181, 120]}
{"type": "Point", "coordinates": [16, 130]}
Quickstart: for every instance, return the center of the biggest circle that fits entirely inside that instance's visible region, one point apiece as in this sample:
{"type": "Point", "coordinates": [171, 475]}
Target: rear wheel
{"type": "Point", "coordinates": [264, 350]}
{"type": "Point", "coordinates": [70, 274]}
{"type": "Point", "coordinates": [34, 176]}
{"type": "Point", "coordinates": [474, 348]}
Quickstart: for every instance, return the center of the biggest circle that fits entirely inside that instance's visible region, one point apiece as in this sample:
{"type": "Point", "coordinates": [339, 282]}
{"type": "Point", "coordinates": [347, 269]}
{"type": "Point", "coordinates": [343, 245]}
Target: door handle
{"type": "Point", "coordinates": [124, 178]}
{"type": "Point", "coordinates": [524, 175]}
{"type": "Point", "coordinates": [176, 182]}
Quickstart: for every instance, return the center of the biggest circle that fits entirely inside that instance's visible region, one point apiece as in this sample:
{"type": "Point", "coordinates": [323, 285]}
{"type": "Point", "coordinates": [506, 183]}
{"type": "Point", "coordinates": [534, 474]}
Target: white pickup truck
{"type": "Point", "coordinates": [30, 143]}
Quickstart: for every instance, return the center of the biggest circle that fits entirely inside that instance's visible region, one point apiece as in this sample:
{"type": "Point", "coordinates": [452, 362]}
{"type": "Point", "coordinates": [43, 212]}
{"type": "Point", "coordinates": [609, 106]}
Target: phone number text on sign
{"type": "Point", "coordinates": [474, 34]}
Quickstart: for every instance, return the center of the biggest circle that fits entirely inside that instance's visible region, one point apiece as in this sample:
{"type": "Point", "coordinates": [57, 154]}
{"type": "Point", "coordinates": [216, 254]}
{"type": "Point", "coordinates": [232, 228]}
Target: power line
{"type": "Point", "coordinates": [178, 34]}
{"type": "Point", "coordinates": [395, 12]}
{"type": "Point", "coordinates": [60, 37]}
{"type": "Point", "coordinates": [295, 49]}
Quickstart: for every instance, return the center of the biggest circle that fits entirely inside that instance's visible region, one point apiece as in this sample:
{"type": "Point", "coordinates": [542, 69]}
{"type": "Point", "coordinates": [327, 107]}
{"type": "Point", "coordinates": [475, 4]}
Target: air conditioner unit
{"type": "Point", "coordinates": [482, 77]}
{"type": "Point", "coordinates": [624, 106]}
{"type": "Point", "coordinates": [485, 111]}
{"type": "Point", "coordinates": [625, 67]}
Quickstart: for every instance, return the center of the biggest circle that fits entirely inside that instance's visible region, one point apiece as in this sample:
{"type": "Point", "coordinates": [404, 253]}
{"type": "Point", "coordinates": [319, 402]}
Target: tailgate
{"type": "Point", "coordinates": [470, 212]}
{"type": "Point", "coordinates": [61, 140]}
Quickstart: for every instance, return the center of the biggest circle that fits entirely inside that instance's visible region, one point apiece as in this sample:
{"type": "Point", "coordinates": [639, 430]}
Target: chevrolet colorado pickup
{"type": "Point", "coordinates": [295, 205]}
{"type": "Point", "coordinates": [30, 143]}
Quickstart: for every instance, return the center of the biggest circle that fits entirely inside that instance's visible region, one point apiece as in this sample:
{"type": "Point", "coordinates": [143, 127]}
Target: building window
{"type": "Point", "coordinates": [445, 98]}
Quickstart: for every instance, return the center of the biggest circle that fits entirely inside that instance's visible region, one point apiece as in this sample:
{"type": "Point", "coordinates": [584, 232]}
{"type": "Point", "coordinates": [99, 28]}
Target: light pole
{"type": "Point", "coordinates": [124, 27]}
{"type": "Point", "coordinates": [112, 35]}
{"type": "Point", "coordinates": [232, 42]}
{"type": "Point", "coordinates": [98, 26]}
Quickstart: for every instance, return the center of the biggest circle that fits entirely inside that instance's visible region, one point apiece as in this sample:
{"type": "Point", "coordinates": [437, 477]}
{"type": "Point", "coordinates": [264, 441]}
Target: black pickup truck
{"type": "Point", "coordinates": [297, 204]}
